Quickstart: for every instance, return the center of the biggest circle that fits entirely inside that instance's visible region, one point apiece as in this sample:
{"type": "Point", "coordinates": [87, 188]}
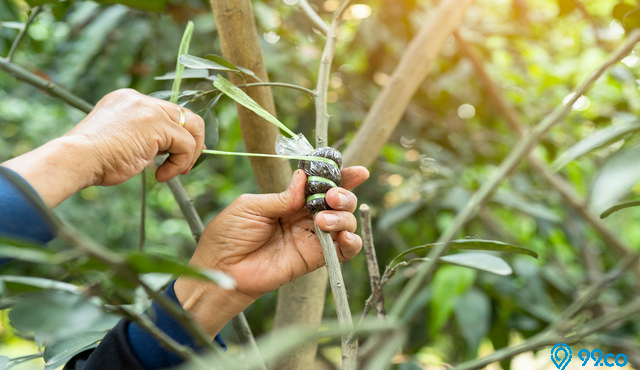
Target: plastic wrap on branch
{"type": "Point", "coordinates": [321, 176]}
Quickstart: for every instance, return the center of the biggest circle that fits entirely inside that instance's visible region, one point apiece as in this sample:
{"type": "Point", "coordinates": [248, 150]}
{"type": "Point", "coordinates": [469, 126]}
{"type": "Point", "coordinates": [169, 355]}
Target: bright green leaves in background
{"type": "Point", "coordinates": [149, 5]}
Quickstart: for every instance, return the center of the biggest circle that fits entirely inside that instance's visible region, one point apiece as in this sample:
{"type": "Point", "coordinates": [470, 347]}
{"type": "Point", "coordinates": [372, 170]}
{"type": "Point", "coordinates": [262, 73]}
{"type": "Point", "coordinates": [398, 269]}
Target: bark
{"type": "Point", "coordinates": [387, 110]}
{"type": "Point", "coordinates": [301, 301]}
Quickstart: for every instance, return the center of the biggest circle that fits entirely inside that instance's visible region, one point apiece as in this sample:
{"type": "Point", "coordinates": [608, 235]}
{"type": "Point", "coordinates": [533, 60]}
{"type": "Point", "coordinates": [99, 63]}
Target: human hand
{"type": "Point", "coordinates": [264, 241]}
{"type": "Point", "coordinates": [117, 140]}
{"type": "Point", "coordinates": [126, 130]}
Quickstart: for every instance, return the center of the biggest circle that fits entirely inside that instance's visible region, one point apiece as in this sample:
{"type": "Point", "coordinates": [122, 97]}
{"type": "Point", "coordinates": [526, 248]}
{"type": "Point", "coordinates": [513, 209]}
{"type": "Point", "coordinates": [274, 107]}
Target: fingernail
{"type": "Point", "coordinates": [294, 179]}
{"type": "Point", "coordinates": [350, 236]}
{"type": "Point", "coordinates": [330, 219]}
{"type": "Point", "coordinates": [342, 200]}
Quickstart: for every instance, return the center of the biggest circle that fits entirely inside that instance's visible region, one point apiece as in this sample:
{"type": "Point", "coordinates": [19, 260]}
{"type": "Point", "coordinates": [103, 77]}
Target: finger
{"type": "Point", "coordinates": [276, 204]}
{"type": "Point", "coordinates": [179, 144]}
{"type": "Point", "coordinates": [336, 221]}
{"type": "Point", "coordinates": [341, 200]}
{"type": "Point", "coordinates": [194, 124]}
{"type": "Point", "coordinates": [348, 245]}
{"type": "Point", "coordinates": [353, 176]}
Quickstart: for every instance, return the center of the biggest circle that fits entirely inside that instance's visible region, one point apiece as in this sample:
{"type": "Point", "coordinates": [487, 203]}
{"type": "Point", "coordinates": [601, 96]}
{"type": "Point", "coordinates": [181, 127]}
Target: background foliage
{"type": "Point", "coordinates": [449, 141]}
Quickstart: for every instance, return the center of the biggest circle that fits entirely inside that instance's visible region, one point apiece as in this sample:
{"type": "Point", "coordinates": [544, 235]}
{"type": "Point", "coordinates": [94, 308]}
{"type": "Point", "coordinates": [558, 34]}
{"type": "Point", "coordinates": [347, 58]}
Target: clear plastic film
{"type": "Point", "coordinates": [298, 145]}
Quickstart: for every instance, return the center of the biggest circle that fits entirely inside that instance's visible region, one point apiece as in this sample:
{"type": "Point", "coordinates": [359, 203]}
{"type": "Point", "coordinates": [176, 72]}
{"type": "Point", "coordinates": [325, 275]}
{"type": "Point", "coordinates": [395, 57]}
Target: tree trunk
{"type": "Point", "coordinates": [301, 301]}
{"type": "Point", "coordinates": [387, 110]}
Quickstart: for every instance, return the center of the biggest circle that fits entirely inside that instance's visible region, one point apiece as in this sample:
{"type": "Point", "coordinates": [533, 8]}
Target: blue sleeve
{"type": "Point", "coordinates": [148, 351]}
{"type": "Point", "coordinates": [23, 215]}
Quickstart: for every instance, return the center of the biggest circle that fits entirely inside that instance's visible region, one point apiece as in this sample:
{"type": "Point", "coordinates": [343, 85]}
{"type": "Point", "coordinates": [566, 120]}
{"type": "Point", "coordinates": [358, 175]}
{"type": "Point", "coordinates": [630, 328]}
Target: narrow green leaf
{"type": "Point", "coordinates": [147, 263]}
{"type": "Point", "coordinates": [194, 62]}
{"type": "Point", "coordinates": [619, 206]}
{"type": "Point", "coordinates": [299, 157]}
{"type": "Point", "coordinates": [479, 261]}
{"type": "Point", "coordinates": [26, 251]}
{"type": "Point", "coordinates": [597, 140]}
{"type": "Point", "coordinates": [220, 60]}
{"type": "Point", "coordinates": [615, 179]}
{"type": "Point", "coordinates": [394, 215]}
{"type": "Point", "coordinates": [61, 351]}
{"type": "Point", "coordinates": [538, 210]}
{"type": "Point", "coordinates": [447, 285]}
{"type": "Point", "coordinates": [240, 97]}
{"type": "Point", "coordinates": [186, 73]}
{"type": "Point", "coordinates": [469, 244]}
{"type": "Point", "coordinates": [473, 315]}
{"type": "Point", "coordinates": [183, 49]}
{"type": "Point", "coordinates": [37, 282]}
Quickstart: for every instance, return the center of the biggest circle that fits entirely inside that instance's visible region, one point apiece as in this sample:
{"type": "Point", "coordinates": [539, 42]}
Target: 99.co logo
{"type": "Point", "coordinates": [561, 356]}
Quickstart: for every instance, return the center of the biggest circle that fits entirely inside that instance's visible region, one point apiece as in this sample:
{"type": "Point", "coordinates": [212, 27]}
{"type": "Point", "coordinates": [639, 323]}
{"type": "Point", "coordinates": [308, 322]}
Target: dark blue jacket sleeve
{"type": "Point", "coordinates": [24, 216]}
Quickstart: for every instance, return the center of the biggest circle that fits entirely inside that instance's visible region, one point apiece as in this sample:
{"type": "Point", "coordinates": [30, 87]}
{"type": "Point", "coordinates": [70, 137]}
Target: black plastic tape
{"type": "Point", "coordinates": [323, 170]}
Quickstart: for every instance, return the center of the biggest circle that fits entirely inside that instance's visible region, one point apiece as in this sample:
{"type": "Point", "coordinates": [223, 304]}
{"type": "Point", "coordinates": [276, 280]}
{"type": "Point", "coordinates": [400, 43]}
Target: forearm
{"type": "Point", "coordinates": [210, 305]}
{"type": "Point", "coordinates": [57, 169]}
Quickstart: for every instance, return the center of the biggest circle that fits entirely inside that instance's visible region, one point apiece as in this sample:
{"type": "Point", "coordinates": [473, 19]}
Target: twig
{"type": "Point", "coordinates": [143, 210]}
{"type": "Point", "coordinates": [144, 322]}
{"type": "Point", "coordinates": [349, 342]}
{"type": "Point", "coordinates": [243, 330]}
{"type": "Point", "coordinates": [314, 17]}
{"type": "Point", "coordinates": [559, 184]}
{"type": "Point", "coordinates": [187, 208]}
{"type": "Point", "coordinates": [322, 117]}
{"type": "Point", "coordinates": [34, 13]}
{"type": "Point", "coordinates": [372, 262]}
{"type": "Point", "coordinates": [522, 148]}
{"type": "Point", "coordinates": [280, 84]}
{"type": "Point", "coordinates": [48, 86]}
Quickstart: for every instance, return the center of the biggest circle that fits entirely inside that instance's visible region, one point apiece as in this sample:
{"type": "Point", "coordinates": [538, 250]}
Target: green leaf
{"type": "Point", "coordinates": [191, 61]}
{"type": "Point", "coordinates": [619, 206]}
{"type": "Point", "coordinates": [148, 5]}
{"type": "Point", "coordinates": [54, 315]}
{"type": "Point", "coordinates": [183, 49]}
{"type": "Point", "coordinates": [537, 210]}
{"type": "Point", "coordinates": [473, 315]}
{"type": "Point", "coordinates": [147, 263]}
{"type": "Point", "coordinates": [20, 282]}
{"type": "Point", "coordinates": [597, 140]}
{"type": "Point", "coordinates": [479, 261]}
{"type": "Point", "coordinates": [469, 244]}
{"type": "Point", "coordinates": [188, 73]}
{"type": "Point", "coordinates": [28, 252]}
{"type": "Point", "coordinates": [245, 100]}
{"type": "Point", "coordinates": [628, 15]}
{"type": "Point", "coordinates": [615, 179]}
{"type": "Point", "coordinates": [221, 61]}
{"type": "Point", "coordinates": [448, 284]}
{"type": "Point", "coordinates": [61, 351]}
{"type": "Point", "coordinates": [399, 213]}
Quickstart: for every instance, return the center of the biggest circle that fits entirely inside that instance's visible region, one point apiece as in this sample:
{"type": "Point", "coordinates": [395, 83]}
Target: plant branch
{"type": "Point", "coordinates": [314, 17]}
{"type": "Point", "coordinates": [322, 116]}
{"type": "Point", "coordinates": [32, 15]}
{"type": "Point", "coordinates": [387, 110]}
{"type": "Point", "coordinates": [46, 85]}
{"type": "Point", "coordinates": [279, 84]}
{"type": "Point", "coordinates": [143, 210]}
{"type": "Point", "coordinates": [372, 262]}
{"type": "Point", "coordinates": [555, 332]}
{"type": "Point", "coordinates": [559, 184]}
{"type": "Point", "coordinates": [349, 342]}
{"type": "Point", "coordinates": [522, 149]}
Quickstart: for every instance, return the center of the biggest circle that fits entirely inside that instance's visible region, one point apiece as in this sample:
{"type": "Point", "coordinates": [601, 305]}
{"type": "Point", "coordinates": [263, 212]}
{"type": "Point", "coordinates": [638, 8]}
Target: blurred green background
{"type": "Point", "coordinates": [450, 140]}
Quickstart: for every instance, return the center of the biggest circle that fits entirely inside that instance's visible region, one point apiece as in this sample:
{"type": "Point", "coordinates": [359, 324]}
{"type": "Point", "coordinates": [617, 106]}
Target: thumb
{"type": "Point", "coordinates": [275, 205]}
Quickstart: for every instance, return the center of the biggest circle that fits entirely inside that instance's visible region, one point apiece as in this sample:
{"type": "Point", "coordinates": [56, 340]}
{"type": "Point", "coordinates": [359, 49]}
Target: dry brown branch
{"type": "Point", "coordinates": [372, 262]}
{"type": "Point", "coordinates": [389, 106]}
